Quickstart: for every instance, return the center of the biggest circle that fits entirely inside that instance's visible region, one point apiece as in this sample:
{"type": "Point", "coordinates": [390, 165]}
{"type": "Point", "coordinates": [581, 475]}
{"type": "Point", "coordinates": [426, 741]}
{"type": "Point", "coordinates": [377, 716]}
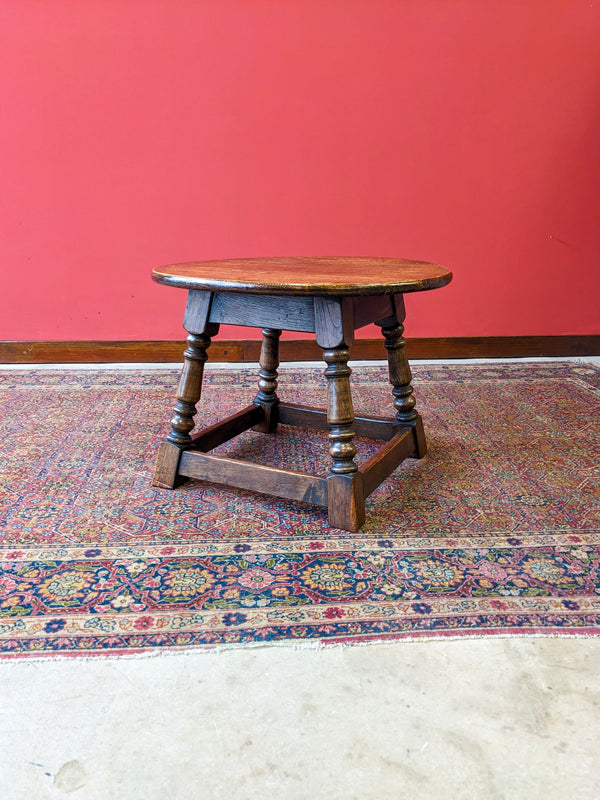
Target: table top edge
{"type": "Point", "coordinates": [435, 277]}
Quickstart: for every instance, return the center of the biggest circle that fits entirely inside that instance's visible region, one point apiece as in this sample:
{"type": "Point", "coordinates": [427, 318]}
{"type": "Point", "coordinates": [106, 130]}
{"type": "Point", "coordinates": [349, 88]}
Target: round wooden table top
{"type": "Point", "coordinates": [306, 275]}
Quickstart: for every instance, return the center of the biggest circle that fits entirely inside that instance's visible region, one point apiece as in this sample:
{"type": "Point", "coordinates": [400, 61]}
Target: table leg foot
{"type": "Point", "coordinates": [167, 465]}
{"type": "Point", "coordinates": [345, 501]}
{"type": "Point", "coordinates": [420, 440]}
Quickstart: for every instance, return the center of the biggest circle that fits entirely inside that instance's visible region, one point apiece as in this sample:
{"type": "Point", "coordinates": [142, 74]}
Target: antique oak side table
{"type": "Point", "coordinates": [330, 297]}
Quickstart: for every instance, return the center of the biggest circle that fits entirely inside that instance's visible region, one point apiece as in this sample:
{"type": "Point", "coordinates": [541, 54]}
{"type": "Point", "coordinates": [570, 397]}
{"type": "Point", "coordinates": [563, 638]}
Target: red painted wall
{"type": "Point", "coordinates": [140, 133]}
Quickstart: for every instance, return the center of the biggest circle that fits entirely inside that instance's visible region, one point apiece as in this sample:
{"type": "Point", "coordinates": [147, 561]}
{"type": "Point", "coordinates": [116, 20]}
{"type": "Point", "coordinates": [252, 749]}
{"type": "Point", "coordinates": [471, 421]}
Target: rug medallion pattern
{"type": "Point", "coordinates": [496, 531]}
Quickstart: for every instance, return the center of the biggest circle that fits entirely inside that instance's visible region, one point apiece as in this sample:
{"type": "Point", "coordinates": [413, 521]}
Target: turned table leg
{"type": "Point", "coordinates": [401, 376]}
{"type": "Point", "coordinates": [345, 499]}
{"type": "Point", "coordinates": [267, 380]}
{"type": "Point", "coordinates": [188, 392]}
{"type": "Point", "coordinates": [334, 329]}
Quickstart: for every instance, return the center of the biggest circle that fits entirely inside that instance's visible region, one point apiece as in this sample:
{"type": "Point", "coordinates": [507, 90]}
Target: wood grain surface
{"type": "Point", "coordinates": [237, 350]}
{"type": "Point", "coordinates": [306, 275]}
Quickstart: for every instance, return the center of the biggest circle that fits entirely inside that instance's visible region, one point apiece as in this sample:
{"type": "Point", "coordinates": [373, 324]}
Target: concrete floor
{"type": "Point", "coordinates": [461, 719]}
{"type": "Point", "coordinates": [496, 718]}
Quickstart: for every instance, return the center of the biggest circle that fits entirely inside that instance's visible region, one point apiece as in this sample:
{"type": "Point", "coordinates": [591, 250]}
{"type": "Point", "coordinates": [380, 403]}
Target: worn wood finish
{"type": "Point", "coordinates": [166, 471]}
{"type": "Point", "coordinates": [197, 310]}
{"type": "Point", "coordinates": [303, 416]}
{"type": "Point", "coordinates": [387, 458]}
{"type": "Point", "coordinates": [255, 477]}
{"type": "Point", "coordinates": [267, 380]}
{"type": "Point", "coordinates": [334, 321]}
{"type": "Point", "coordinates": [306, 276]}
{"type": "Point", "coordinates": [316, 418]}
{"type": "Point", "coordinates": [258, 311]}
{"type": "Point", "coordinates": [212, 436]}
{"type": "Point", "coordinates": [241, 351]}
{"type": "Point", "coordinates": [421, 449]}
{"type": "Point", "coordinates": [346, 501]}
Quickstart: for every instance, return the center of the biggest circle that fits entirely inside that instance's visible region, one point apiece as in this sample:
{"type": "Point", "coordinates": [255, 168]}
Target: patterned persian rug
{"type": "Point", "coordinates": [496, 531]}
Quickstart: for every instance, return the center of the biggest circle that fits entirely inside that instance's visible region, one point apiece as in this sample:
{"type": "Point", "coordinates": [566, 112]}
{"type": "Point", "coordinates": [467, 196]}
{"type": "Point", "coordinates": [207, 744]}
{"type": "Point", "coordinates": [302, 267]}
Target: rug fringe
{"type": "Point", "coordinates": [313, 644]}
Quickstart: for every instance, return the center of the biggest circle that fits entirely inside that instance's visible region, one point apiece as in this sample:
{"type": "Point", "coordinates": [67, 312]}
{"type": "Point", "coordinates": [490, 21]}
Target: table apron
{"type": "Point", "coordinates": [293, 313]}
{"type": "Point", "coordinates": [263, 311]}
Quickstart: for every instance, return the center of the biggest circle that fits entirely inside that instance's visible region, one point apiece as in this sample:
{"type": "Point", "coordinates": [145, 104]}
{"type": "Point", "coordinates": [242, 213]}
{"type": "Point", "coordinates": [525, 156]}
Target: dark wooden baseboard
{"type": "Point", "coordinates": [85, 352]}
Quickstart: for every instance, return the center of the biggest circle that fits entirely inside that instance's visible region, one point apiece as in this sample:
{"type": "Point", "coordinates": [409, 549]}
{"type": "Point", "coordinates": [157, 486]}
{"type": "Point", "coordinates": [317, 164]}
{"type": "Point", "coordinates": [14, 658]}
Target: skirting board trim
{"type": "Point", "coordinates": [103, 352]}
